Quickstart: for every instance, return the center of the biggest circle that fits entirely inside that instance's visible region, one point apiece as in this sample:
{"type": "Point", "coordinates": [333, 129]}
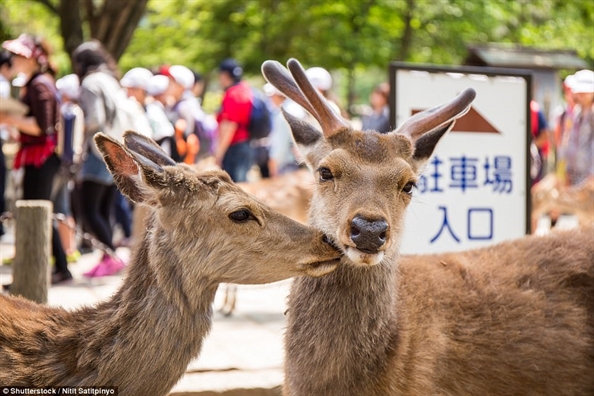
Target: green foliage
{"type": "Point", "coordinates": [356, 38]}
{"type": "Point", "coordinates": [25, 16]}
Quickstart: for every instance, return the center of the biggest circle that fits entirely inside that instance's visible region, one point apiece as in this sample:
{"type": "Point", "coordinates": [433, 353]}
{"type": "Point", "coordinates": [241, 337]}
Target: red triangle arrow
{"type": "Point", "coordinates": [472, 121]}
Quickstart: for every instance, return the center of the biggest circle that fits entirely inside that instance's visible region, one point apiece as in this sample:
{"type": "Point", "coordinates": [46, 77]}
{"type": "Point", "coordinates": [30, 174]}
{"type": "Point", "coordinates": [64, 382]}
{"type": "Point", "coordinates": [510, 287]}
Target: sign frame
{"type": "Point", "coordinates": [394, 67]}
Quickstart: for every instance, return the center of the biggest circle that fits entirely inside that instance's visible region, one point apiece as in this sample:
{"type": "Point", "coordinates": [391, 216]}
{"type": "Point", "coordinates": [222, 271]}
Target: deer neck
{"type": "Point", "coordinates": [341, 329]}
{"type": "Point", "coordinates": [143, 339]}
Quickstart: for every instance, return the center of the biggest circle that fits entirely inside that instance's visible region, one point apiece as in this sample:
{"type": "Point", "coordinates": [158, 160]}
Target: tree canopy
{"type": "Point", "coordinates": [349, 35]}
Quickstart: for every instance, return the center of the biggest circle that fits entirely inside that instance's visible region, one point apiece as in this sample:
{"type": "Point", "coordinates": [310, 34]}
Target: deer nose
{"type": "Point", "coordinates": [368, 235]}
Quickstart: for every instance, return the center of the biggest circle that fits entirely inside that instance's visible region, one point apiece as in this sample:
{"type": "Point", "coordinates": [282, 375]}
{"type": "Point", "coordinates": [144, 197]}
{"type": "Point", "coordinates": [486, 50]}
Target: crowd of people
{"type": "Point", "coordinates": [59, 161]}
{"type": "Point", "coordinates": [62, 164]}
{"type": "Point", "coordinates": [574, 131]}
{"type": "Point", "coordinates": [562, 147]}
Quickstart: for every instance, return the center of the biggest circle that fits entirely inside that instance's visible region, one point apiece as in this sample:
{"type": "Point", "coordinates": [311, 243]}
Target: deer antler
{"type": "Point", "coordinates": [297, 87]}
{"type": "Point", "coordinates": [431, 119]}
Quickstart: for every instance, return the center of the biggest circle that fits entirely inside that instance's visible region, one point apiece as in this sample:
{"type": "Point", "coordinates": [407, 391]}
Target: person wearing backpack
{"type": "Point", "coordinates": [37, 130]}
{"type": "Point", "coordinates": [233, 152]}
{"type": "Point", "coordinates": [100, 98]}
{"type": "Point", "coordinates": [70, 148]}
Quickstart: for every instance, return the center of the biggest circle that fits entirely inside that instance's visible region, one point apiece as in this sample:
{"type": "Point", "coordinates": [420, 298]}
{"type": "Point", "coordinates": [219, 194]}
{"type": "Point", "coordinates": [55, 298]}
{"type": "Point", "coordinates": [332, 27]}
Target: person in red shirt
{"type": "Point", "coordinates": [233, 152]}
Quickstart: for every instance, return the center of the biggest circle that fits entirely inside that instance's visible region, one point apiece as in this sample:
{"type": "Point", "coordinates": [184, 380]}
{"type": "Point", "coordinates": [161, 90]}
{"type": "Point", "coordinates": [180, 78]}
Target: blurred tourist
{"type": "Point", "coordinates": [5, 76]}
{"type": "Point", "coordinates": [282, 159]}
{"type": "Point", "coordinates": [37, 130]}
{"type": "Point", "coordinates": [233, 152]}
{"type": "Point", "coordinates": [70, 148]}
{"type": "Point", "coordinates": [379, 118]}
{"type": "Point", "coordinates": [163, 131]}
{"type": "Point", "coordinates": [580, 148]}
{"type": "Point", "coordinates": [540, 142]}
{"type": "Point", "coordinates": [97, 71]}
{"type": "Point", "coordinates": [563, 127]}
{"type": "Point", "coordinates": [180, 112]}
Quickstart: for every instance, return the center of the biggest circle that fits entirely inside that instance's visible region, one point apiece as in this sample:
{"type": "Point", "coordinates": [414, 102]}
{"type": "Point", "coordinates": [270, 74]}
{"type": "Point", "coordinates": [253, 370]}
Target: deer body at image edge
{"type": "Point", "coordinates": [203, 230]}
{"type": "Point", "coordinates": [513, 319]}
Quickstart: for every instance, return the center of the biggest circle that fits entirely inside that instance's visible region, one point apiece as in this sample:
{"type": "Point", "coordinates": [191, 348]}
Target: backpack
{"type": "Point", "coordinates": [260, 123]}
{"type": "Point", "coordinates": [70, 140]}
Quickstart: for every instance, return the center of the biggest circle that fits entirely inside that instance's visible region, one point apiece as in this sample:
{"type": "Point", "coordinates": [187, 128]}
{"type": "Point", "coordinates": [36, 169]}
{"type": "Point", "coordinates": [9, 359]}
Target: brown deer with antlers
{"type": "Point", "coordinates": [203, 230]}
{"type": "Point", "coordinates": [513, 319]}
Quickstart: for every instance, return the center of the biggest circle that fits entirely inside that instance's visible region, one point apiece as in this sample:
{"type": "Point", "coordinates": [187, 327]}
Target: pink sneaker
{"type": "Point", "coordinates": [107, 266]}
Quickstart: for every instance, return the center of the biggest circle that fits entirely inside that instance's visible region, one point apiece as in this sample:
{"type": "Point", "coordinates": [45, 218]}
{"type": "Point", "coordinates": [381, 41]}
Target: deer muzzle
{"type": "Point", "coordinates": [368, 235]}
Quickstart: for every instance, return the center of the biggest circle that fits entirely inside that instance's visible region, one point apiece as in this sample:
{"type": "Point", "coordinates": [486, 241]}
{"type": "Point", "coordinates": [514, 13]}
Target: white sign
{"type": "Point", "coordinates": [474, 189]}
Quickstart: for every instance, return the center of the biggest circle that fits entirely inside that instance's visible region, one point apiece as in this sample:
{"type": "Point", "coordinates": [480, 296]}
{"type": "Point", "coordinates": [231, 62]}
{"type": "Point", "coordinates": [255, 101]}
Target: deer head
{"type": "Point", "coordinates": [365, 179]}
{"type": "Point", "coordinates": [201, 216]}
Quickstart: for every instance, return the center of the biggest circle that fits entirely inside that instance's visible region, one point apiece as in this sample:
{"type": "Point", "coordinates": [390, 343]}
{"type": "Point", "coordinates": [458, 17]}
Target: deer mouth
{"type": "Point", "coordinates": [363, 256]}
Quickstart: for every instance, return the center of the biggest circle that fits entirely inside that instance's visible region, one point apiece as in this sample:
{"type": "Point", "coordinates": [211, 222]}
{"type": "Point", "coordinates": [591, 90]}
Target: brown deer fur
{"type": "Point", "coordinates": [143, 338]}
{"type": "Point", "coordinates": [513, 319]}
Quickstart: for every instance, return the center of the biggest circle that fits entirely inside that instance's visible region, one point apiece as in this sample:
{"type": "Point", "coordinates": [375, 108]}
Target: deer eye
{"type": "Point", "coordinates": [408, 187]}
{"type": "Point", "coordinates": [241, 216]}
{"type": "Point", "coordinates": [325, 174]}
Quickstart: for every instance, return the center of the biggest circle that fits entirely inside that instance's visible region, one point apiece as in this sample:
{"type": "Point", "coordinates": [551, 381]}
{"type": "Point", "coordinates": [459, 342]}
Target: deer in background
{"type": "Point", "coordinates": [203, 230]}
{"type": "Point", "coordinates": [550, 194]}
{"type": "Point", "coordinates": [513, 319]}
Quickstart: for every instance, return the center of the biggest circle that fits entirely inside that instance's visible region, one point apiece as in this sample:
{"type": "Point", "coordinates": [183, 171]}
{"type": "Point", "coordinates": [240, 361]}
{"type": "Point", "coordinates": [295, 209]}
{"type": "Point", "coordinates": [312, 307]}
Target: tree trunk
{"type": "Point", "coordinates": [350, 89]}
{"type": "Point", "coordinates": [406, 40]}
{"type": "Point", "coordinates": [70, 25]}
{"type": "Point", "coordinates": [33, 233]}
{"type": "Point", "coordinates": [114, 23]}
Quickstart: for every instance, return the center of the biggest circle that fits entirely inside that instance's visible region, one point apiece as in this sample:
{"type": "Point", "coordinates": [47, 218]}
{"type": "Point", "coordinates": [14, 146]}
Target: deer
{"type": "Point", "coordinates": [202, 230]}
{"type": "Point", "coordinates": [516, 318]}
{"type": "Point", "coordinates": [550, 194]}
{"type": "Point", "coordinates": [287, 194]}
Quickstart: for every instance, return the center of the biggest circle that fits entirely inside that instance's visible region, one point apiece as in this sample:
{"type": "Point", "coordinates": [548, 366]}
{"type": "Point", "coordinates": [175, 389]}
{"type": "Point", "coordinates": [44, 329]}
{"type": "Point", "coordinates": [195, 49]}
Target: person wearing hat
{"type": "Point", "coordinates": [135, 81]}
{"type": "Point", "coordinates": [100, 91]}
{"type": "Point", "coordinates": [233, 152]}
{"type": "Point", "coordinates": [579, 154]}
{"type": "Point", "coordinates": [37, 130]}
{"type": "Point", "coordinates": [163, 131]}
{"type": "Point", "coordinates": [184, 112]}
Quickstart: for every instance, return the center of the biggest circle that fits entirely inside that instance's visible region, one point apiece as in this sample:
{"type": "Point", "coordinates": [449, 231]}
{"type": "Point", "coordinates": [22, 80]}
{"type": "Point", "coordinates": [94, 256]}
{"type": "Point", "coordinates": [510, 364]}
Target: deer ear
{"type": "Point", "coordinates": [303, 132]}
{"type": "Point", "coordinates": [132, 172]}
{"type": "Point", "coordinates": [147, 147]}
{"type": "Point", "coordinates": [305, 135]}
{"type": "Point", "coordinates": [425, 145]}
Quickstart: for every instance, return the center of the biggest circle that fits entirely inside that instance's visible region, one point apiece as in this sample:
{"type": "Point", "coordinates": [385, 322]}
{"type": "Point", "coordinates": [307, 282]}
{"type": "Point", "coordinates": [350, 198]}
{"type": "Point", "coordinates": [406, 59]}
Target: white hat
{"type": "Point", "coordinates": [319, 77]}
{"type": "Point", "coordinates": [136, 78]}
{"type": "Point", "coordinates": [157, 85]}
{"type": "Point", "coordinates": [69, 86]}
{"type": "Point", "coordinates": [270, 90]}
{"type": "Point", "coordinates": [182, 75]}
{"type": "Point", "coordinates": [569, 81]}
{"type": "Point", "coordinates": [583, 82]}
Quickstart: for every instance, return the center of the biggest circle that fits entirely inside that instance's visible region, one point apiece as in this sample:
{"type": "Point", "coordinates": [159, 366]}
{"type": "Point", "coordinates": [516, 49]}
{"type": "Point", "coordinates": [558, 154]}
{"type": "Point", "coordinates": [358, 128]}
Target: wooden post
{"type": "Point", "coordinates": [33, 233]}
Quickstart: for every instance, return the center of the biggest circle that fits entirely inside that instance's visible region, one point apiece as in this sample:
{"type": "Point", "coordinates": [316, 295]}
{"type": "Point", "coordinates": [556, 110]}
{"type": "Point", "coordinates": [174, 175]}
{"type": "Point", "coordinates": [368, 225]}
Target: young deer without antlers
{"type": "Point", "coordinates": [513, 319]}
{"type": "Point", "coordinates": [203, 230]}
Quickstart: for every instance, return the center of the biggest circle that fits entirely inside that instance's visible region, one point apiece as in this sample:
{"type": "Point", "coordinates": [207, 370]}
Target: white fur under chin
{"type": "Point", "coordinates": [360, 258]}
